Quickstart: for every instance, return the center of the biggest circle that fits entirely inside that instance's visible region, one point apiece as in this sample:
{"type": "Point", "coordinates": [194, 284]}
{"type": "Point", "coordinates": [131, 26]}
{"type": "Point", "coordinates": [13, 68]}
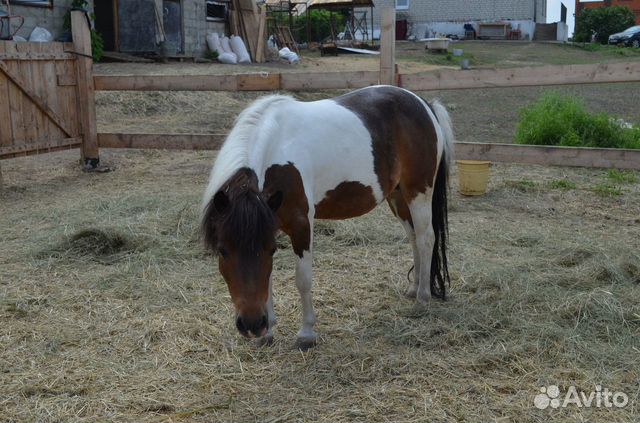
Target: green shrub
{"type": "Point", "coordinates": [604, 21]}
{"type": "Point", "coordinates": [563, 184]}
{"type": "Point", "coordinates": [622, 176]}
{"type": "Point", "coordinates": [607, 190]}
{"type": "Point", "coordinates": [557, 119]}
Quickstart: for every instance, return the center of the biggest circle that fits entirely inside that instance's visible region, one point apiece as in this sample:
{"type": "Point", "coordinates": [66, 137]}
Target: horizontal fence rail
{"type": "Point", "coordinates": [238, 82]}
{"type": "Point", "coordinates": [441, 79]}
{"type": "Point", "coordinates": [506, 153]}
{"type": "Point", "coordinates": [549, 155]}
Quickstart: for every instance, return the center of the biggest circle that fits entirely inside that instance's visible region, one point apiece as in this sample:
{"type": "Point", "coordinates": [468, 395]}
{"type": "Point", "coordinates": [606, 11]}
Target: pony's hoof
{"type": "Point", "coordinates": [303, 344]}
{"type": "Point", "coordinates": [410, 292]}
{"type": "Point", "coordinates": [264, 341]}
{"type": "Point", "coordinates": [423, 298]}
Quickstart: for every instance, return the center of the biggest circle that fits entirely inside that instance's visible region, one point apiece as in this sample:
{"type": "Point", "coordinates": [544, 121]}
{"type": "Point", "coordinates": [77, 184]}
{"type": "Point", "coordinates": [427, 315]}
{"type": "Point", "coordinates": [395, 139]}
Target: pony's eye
{"type": "Point", "coordinates": [223, 252]}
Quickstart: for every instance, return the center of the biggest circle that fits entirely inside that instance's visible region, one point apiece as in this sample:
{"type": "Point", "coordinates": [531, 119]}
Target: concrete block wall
{"type": "Point", "coordinates": [196, 27]}
{"type": "Point", "coordinates": [50, 18]}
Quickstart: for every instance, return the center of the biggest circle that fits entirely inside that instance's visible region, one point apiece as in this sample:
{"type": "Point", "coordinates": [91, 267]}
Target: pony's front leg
{"type": "Point", "coordinates": [307, 337]}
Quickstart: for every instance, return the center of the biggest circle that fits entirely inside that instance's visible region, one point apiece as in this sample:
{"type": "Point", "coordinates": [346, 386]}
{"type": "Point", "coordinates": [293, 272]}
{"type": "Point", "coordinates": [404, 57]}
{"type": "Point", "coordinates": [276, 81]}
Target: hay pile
{"type": "Point", "coordinates": [110, 311]}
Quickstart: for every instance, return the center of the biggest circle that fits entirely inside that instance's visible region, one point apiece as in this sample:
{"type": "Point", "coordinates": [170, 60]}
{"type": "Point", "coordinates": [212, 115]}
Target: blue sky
{"type": "Point", "coordinates": [553, 12]}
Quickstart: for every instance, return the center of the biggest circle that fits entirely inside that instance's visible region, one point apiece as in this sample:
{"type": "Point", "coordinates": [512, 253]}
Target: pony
{"type": "Point", "coordinates": [286, 163]}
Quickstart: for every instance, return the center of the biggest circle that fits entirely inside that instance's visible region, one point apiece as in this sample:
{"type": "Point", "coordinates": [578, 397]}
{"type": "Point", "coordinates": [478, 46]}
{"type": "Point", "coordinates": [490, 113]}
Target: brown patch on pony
{"type": "Point", "coordinates": [404, 138]}
{"type": "Point", "coordinates": [348, 199]}
{"type": "Point", "coordinates": [293, 215]}
{"type": "Point", "coordinates": [399, 206]}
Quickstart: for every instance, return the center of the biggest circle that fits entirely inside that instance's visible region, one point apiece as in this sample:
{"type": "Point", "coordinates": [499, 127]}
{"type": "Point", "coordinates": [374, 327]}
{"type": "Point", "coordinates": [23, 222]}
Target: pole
{"type": "Point", "coordinates": [388, 46]}
{"type": "Point", "coordinates": [86, 91]}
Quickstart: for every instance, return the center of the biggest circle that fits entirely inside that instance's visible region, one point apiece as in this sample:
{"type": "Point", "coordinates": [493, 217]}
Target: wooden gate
{"type": "Point", "coordinates": [38, 98]}
{"type": "Point", "coordinates": [47, 97]}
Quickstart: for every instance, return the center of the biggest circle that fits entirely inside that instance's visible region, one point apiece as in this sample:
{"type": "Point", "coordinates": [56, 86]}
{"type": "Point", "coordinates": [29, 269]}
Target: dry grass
{"type": "Point", "coordinates": [110, 311]}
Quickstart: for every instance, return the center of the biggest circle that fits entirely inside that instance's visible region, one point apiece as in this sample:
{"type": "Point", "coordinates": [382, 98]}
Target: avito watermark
{"type": "Point", "coordinates": [550, 396]}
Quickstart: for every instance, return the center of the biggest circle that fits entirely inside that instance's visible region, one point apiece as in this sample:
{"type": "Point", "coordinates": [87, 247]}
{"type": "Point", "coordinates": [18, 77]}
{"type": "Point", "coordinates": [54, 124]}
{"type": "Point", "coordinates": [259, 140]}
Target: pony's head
{"type": "Point", "coordinates": [239, 226]}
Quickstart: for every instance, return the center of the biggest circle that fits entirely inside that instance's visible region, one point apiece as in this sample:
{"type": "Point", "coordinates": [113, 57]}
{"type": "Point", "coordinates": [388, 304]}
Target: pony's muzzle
{"type": "Point", "coordinates": [252, 327]}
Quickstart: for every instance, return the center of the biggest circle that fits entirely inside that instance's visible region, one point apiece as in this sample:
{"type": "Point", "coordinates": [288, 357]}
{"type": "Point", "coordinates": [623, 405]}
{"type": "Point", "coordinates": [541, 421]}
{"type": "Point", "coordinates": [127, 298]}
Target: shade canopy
{"type": "Point", "coordinates": [336, 4]}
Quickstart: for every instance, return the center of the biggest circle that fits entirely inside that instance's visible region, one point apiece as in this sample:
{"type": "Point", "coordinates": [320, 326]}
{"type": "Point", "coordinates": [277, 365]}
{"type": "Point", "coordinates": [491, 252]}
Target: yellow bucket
{"type": "Point", "coordinates": [473, 176]}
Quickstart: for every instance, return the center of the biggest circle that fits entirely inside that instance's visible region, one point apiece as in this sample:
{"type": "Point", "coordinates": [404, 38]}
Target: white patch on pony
{"type": "Point", "coordinates": [304, 271]}
{"type": "Point", "coordinates": [240, 144]}
{"type": "Point", "coordinates": [327, 142]}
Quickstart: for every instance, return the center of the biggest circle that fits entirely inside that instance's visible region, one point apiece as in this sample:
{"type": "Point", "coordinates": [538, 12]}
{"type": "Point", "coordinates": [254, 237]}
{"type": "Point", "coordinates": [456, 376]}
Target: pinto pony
{"type": "Point", "coordinates": [286, 163]}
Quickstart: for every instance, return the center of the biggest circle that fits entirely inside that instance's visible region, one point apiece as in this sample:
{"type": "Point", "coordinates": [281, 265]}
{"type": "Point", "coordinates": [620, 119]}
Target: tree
{"type": "Point", "coordinates": [603, 21]}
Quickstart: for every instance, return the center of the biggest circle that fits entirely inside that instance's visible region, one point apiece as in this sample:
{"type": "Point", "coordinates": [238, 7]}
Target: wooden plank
{"type": "Point", "coordinates": [36, 81]}
{"type": "Point", "coordinates": [46, 55]}
{"type": "Point", "coordinates": [448, 79]}
{"type": "Point", "coordinates": [165, 83]}
{"type": "Point", "coordinates": [258, 82]}
{"type": "Point", "coordinates": [162, 141]}
{"type": "Point", "coordinates": [549, 155]}
{"type": "Point", "coordinates": [86, 92]}
{"type": "Point", "coordinates": [6, 132]}
{"type": "Point", "coordinates": [326, 81]}
{"type": "Point", "coordinates": [65, 80]}
{"type": "Point", "coordinates": [39, 146]}
{"type": "Point", "coordinates": [261, 34]}
{"type": "Point", "coordinates": [54, 96]}
{"type": "Point", "coordinates": [388, 46]}
{"type": "Point", "coordinates": [37, 101]}
{"type": "Point", "coordinates": [29, 110]}
{"type": "Point", "coordinates": [67, 95]}
{"type": "Point", "coordinates": [15, 98]}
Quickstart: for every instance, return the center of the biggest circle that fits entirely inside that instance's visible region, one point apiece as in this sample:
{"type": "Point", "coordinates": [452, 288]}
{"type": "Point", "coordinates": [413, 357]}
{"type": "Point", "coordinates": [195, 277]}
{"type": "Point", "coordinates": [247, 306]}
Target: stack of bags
{"type": "Point", "coordinates": [230, 50]}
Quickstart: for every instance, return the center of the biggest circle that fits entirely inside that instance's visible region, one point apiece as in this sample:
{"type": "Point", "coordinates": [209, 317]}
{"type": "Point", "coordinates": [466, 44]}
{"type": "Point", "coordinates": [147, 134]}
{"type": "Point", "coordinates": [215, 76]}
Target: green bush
{"type": "Point", "coordinates": [604, 21]}
{"type": "Point", "coordinates": [320, 21]}
{"type": "Point", "coordinates": [556, 119]}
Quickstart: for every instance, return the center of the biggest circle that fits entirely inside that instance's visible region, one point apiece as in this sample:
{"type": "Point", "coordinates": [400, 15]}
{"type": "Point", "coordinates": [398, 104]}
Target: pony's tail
{"type": "Point", "coordinates": [439, 268]}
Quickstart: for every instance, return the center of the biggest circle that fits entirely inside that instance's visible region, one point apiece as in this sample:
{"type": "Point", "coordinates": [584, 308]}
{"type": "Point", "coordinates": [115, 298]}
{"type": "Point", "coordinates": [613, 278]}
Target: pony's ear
{"type": "Point", "coordinates": [221, 201]}
{"type": "Point", "coordinates": [275, 201]}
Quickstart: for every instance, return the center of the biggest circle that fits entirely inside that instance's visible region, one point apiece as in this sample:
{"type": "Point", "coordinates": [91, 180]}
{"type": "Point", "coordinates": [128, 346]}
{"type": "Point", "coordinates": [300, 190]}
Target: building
{"type": "Point", "coordinates": [449, 16]}
{"type": "Point", "coordinates": [133, 26]}
{"type": "Point", "coordinates": [634, 5]}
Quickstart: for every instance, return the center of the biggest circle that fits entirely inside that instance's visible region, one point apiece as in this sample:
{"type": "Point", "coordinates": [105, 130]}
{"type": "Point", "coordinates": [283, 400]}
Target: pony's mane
{"type": "Point", "coordinates": [247, 220]}
{"type": "Point", "coordinates": [236, 150]}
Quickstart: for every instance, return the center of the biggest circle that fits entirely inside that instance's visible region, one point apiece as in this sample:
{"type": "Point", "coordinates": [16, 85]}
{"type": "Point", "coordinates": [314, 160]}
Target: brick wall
{"type": "Point", "coordinates": [634, 5]}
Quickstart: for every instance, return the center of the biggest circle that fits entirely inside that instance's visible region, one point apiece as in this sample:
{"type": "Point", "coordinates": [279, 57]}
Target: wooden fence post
{"type": "Point", "coordinates": [86, 91]}
{"type": "Point", "coordinates": [388, 46]}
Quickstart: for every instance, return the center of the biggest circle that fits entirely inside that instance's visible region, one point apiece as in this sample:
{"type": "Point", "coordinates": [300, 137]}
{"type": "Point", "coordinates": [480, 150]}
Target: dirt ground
{"type": "Point", "coordinates": [110, 310]}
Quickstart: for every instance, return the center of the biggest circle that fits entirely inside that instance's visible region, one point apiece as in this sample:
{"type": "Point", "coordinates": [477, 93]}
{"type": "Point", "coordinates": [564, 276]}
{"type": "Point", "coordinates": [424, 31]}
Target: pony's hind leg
{"type": "Point", "coordinates": [421, 214]}
{"type": "Point", "coordinates": [400, 209]}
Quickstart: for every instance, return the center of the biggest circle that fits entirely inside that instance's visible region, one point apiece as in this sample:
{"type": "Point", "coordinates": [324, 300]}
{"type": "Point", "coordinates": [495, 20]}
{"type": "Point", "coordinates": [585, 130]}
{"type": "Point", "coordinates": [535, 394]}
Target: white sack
{"type": "Point", "coordinates": [226, 45]}
{"type": "Point", "coordinates": [213, 42]}
{"type": "Point", "coordinates": [40, 35]}
{"type": "Point", "coordinates": [228, 58]}
{"type": "Point", "coordinates": [287, 54]}
{"type": "Point", "coordinates": [238, 47]}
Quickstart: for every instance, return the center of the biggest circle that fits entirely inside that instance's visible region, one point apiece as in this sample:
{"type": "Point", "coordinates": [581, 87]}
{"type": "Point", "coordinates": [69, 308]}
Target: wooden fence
{"type": "Point", "coordinates": [46, 92]}
{"type": "Point", "coordinates": [76, 116]}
